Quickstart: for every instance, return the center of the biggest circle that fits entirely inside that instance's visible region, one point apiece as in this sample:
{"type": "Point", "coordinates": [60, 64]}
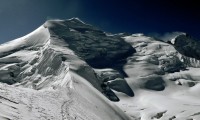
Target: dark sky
{"type": "Point", "coordinates": [19, 17]}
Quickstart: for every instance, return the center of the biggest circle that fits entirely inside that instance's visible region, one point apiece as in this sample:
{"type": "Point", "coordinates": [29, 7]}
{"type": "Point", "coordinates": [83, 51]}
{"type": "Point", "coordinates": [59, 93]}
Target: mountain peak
{"type": "Point", "coordinates": [73, 21]}
{"type": "Point", "coordinates": [76, 19]}
{"type": "Point", "coordinates": [187, 45]}
{"type": "Point", "coordinates": [63, 38]}
{"type": "Point", "coordinates": [176, 35]}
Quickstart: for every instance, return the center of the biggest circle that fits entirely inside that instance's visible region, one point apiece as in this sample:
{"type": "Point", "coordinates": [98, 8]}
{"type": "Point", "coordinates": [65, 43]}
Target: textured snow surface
{"type": "Point", "coordinates": [165, 87]}
{"type": "Point", "coordinates": [70, 70]}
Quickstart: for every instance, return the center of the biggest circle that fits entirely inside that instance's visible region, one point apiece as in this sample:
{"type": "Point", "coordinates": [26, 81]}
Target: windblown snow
{"type": "Point", "coordinates": [70, 70]}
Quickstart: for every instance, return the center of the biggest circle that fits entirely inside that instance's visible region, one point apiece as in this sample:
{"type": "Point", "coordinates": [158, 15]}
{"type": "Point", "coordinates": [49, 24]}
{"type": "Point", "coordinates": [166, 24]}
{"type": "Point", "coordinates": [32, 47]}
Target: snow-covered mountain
{"type": "Point", "coordinates": [70, 70]}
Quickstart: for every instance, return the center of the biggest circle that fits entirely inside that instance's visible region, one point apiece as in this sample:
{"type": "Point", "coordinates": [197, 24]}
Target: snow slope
{"type": "Point", "coordinates": [70, 70]}
{"type": "Point", "coordinates": [165, 87]}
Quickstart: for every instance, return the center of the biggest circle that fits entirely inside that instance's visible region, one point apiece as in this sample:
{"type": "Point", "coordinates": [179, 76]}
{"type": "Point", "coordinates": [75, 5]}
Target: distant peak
{"type": "Point", "coordinates": [173, 40]}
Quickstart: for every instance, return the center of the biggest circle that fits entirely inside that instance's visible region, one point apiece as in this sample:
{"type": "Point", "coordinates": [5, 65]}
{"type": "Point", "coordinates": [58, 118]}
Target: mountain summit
{"type": "Point", "coordinates": [68, 70]}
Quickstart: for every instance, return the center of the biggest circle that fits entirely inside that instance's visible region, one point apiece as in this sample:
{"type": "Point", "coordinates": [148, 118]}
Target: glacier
{"type": "Point", "coordinates": [71, 70]}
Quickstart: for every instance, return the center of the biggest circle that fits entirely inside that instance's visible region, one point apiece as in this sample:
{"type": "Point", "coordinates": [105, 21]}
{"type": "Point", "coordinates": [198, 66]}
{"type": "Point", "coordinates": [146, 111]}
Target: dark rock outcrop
{"type": "Point", "coordinates": [187, 46]}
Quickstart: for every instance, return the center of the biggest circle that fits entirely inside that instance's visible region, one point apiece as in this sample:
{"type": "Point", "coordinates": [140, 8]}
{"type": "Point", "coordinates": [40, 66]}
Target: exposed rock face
{"type": "Point", "coordinates": [121, 85]}
{"type": "Point", "coordinates": [90, 43]}
{"type": "Point", "coordinates": [155, 83]}
{"type": "Point", "coordinates": [187, 46]}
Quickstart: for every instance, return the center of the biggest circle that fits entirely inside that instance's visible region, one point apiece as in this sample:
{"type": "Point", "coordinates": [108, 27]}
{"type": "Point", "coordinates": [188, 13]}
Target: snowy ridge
{"type": "Point", "coordinates": [43, 61]}
{"type": "Point", "coordinates": [68, 70]}
{"type": "Point", "coordinates": [41, 34]}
